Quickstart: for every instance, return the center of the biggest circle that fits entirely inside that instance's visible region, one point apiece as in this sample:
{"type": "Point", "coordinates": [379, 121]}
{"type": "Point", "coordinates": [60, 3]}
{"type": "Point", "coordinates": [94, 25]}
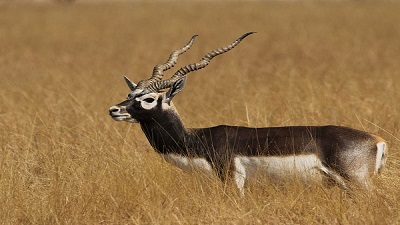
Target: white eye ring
{"type": "Point", "coordinates": [148, 101]}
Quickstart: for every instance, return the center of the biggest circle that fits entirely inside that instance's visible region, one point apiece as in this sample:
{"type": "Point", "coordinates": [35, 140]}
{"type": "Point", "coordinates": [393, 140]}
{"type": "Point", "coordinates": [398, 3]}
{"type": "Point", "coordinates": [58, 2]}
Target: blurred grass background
{"type": "Point", "coordinates": [64, 161]}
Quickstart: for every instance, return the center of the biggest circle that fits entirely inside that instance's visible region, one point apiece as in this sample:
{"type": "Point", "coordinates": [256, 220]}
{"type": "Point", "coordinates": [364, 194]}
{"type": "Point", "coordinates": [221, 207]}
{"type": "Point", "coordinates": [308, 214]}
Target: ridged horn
{"type": "Point", "coordinates": [159, 69]}
{"type": "Point", "coordinates": [151, 84]}
{"type": "Point", "coordinates": [199, 65]}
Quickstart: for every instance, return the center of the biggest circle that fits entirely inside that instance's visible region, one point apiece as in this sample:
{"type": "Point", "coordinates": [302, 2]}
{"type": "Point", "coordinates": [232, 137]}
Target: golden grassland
{"type": "Point", "coordinates": [64, 161]}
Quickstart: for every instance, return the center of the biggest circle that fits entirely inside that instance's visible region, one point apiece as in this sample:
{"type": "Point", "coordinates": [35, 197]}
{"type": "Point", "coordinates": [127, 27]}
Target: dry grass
{"type": "Point", "coordinates": [64, 161]}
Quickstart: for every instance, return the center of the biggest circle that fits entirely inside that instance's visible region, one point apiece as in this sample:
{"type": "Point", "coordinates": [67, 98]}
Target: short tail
{"type": "Point", "coordinates": [381, 156]}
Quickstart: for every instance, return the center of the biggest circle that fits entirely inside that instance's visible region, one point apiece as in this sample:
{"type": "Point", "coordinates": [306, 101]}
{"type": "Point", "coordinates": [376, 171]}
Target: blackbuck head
{"type": "Point", "coordinates": [151, 97]}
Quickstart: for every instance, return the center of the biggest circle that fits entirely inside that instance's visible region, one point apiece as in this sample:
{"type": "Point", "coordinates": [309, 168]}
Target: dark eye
{"type": "Point", "coordinates": [149, 100]}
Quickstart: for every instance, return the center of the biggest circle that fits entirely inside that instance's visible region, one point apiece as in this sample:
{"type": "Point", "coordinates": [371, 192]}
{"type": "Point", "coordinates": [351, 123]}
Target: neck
{"type": "Point", "coordinates": [166, 132]}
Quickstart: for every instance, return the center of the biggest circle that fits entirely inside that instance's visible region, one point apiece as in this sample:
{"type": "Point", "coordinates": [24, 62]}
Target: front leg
{"type": "Point", "coordinates": [232, 171]}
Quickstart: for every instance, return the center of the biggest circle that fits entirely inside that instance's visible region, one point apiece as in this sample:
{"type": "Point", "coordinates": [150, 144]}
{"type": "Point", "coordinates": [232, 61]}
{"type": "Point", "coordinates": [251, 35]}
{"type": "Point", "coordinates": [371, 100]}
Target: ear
{"type": "Point", "coordinates": [175, 89]}
{"type": "Point", "coordinates": [130, 84]}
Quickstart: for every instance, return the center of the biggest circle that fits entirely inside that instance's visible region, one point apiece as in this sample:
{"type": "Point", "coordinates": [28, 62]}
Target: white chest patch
{"type": "Point", "coordinates": [189, 164]}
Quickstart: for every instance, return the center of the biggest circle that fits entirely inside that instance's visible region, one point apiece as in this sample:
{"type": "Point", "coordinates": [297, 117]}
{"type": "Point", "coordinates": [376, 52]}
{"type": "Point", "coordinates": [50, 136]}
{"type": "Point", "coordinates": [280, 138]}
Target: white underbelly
{"type": "Point", "coordinates": [274, 167]}
{"type": "Point", "coordinates": [279, 167]}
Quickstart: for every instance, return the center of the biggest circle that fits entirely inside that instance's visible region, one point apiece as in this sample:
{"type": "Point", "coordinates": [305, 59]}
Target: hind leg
{"type": "Point", "coordinates": [361, 178]}
{"type": "Point", "coordinates": [334, 177]}
{"type": "Point", "coordinates": [239, 175]}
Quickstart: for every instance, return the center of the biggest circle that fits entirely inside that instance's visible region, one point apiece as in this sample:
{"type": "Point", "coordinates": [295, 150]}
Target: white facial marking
{"type": "Point", "coordinates": [188, 164]}
{"type": "Point", "coordinates": [148, 101]}
{"type": "Point", "coordinates": [119, 113]}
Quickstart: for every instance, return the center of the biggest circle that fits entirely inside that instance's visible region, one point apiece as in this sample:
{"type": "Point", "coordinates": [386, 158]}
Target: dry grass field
{"type": "Point", "coordinates": [64, 161]}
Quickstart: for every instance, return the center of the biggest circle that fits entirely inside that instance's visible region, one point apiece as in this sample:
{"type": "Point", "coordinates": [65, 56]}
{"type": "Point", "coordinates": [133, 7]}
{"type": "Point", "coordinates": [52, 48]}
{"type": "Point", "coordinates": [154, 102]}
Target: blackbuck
{"type": "Point", "coordinates": [333, 153]}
